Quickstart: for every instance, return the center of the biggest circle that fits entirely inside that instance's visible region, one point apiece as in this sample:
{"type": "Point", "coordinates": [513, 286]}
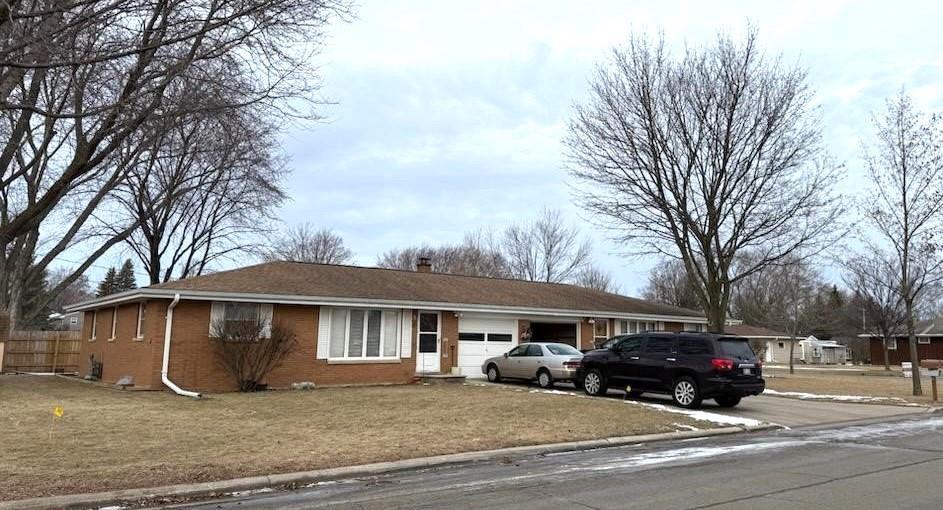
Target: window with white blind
{"type": "Point", "coordinates": [234, 316]}
{"type": "Point", "coordinates": [94, 325]}
{"type": "Point", "coordinates": [358, 333]}
{"type": "Point", "coordinates": [114, 323]}
{"type": "Point", "coordinates": [633, 327]}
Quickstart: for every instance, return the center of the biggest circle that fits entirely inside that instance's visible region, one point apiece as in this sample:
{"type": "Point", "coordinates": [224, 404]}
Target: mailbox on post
{"type": "Point", "coordinates": [933, 368]}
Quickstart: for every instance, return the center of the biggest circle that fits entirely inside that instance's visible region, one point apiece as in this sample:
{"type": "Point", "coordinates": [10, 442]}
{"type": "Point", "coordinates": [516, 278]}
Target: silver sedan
{"type": "Point", "coordinates": [545, 362]}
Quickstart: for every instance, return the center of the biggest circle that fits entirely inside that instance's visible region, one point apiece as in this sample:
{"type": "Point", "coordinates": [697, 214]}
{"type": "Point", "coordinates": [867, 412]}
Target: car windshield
{"type": "Point", "coordinates": [563, 350]}
{"type": "Point", "coordinates": [737, 348]}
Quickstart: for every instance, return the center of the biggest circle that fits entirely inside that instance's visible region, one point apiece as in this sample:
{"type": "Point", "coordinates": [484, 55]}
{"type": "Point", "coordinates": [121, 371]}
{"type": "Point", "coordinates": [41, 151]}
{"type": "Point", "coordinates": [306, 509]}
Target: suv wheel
{"type": "Point", "coordinates": [594, 383]}
{"type": "Point", "coordinates": [544, 380]}
{"type": "Point", "coordinates": [728, 401]}
{"type": "Point", "coordinates": [685, 393]}
{"type": "Point", "coordinates": [493, 374]}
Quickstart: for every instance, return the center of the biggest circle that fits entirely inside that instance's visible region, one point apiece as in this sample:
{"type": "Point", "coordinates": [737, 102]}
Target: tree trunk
{"type": "Point", "coordinates": [887, 363]}
{"type": "Point", "coordinates": [912, 340]}
{"type": "Point", "coordinates": [716, 319]}
{"type": "Point", "coordinates": [792, 352]}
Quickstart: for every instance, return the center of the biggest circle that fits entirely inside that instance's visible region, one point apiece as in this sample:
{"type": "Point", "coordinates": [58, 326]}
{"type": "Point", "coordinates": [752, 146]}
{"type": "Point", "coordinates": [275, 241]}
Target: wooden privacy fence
{"type": "Point", "coordinates": [42, 351]}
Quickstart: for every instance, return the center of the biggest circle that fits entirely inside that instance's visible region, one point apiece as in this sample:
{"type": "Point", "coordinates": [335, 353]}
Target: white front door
{"type": "Point", "coordinates": [427, 348]}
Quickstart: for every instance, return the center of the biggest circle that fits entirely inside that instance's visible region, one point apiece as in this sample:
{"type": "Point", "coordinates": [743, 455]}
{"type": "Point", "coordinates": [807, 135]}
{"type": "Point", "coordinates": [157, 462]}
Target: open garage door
{"type": "Point", "coordinates": [480, 338]}
{"type": "Point", "coordinates": [558, 332]}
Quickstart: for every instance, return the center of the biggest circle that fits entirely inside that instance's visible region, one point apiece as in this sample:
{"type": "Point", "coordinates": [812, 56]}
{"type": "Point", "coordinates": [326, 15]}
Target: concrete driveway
{"type": "Point", "coordinates": [790, 412]}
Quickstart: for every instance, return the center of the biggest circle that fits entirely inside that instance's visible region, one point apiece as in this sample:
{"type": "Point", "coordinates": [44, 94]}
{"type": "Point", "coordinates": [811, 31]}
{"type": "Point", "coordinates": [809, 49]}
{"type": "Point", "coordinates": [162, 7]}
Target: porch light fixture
{"type": "Point", "coordinates": [591, 320]}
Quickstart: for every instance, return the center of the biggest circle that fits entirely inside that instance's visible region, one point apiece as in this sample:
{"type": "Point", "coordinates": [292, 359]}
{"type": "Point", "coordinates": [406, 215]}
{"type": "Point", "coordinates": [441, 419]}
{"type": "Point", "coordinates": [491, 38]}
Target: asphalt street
{"type": "Point", "coordinates": [875, 464]}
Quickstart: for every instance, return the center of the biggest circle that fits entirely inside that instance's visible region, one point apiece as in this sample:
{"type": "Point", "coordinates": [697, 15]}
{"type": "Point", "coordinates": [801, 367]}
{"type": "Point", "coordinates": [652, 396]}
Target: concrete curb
{"type": "Point", "coordinates": [307, 477]}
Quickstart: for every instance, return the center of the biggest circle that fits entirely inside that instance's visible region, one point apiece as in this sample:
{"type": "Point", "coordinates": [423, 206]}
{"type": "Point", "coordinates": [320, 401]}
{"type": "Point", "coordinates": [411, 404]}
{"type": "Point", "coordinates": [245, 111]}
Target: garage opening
{"type": "Point", "coordinates": [559, 332]}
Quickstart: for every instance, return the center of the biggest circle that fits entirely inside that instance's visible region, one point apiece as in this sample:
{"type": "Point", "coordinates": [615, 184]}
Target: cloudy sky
{"type": "Point", "coordinates": [449, 115]}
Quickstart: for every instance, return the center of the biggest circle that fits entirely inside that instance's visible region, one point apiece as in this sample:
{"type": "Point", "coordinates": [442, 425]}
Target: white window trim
{"type": "Point", "coordinates": [925, 340]}
{"type": "Point", "coordinates": [608, 335]}
{"type": "Point", "coordinates": [139, 331]}
{"type": "Point", "coordinates": [892, 344]}
{"type": "Point", "coordinates": [363, 357]}
{"type": "Point", "coordinates": [94, 326]}
{"type": "Point", "coordinates": [114, 324]}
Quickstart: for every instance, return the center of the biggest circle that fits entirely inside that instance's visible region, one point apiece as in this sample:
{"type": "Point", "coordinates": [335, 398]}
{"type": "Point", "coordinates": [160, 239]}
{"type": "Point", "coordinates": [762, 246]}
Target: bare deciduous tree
{"type": "Point", "coordinates": [546, 250]}
{"type": "Point", "coordinates": [668, 283]}
{"type": "Point", "coordinates": [79, 80]}
{"type": "Point", "coordinates": [477, 255]}
{"type": "Point", "coordinates": [304, 243]}
{"type": "Point", "coordinates": [903, 204]}
{"type": "Point", "coordinates": [703, 157]}
{"type": "Point", "coordinates": [875, 277]}
{"type": "Point", "coordinates": [596, 279]}
{"type": "Point", "coordinates": [205, 190]}
{"type": "Point", "coordinates": [249, 350]}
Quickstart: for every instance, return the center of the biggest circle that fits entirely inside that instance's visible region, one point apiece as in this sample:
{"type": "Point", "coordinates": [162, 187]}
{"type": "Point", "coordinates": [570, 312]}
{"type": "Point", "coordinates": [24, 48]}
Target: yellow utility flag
{"type": "Point", "coordinates": [58, 411]}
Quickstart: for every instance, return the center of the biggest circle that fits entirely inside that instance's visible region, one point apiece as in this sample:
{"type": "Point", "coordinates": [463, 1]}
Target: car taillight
{"type": "Point", "coordinates": [759, 364]}
{"type": "Point", "coordinates": [722, 364]}
{"type": "Point", "coordinates": [573, 363]}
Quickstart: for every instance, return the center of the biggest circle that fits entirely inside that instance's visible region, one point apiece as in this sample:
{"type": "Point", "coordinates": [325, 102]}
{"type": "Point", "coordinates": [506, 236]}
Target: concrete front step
{"type": "Point", "coordinates": [439, 378]}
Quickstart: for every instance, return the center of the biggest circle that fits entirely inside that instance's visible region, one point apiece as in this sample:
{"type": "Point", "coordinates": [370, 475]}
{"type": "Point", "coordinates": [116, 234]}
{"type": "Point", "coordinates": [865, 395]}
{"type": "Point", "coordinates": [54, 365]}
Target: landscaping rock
{"type": "Point", "coordinates": [305, 385]}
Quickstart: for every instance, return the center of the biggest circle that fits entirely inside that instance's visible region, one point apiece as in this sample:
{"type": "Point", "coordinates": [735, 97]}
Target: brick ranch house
{"type": "Point", "coordinates": [929, 343]}
{"type": "Point", "coordinates": [355, 325]}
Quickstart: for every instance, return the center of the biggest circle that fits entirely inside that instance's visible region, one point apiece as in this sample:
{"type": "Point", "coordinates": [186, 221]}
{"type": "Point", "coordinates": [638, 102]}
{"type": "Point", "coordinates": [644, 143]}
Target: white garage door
{"type": "Point", "coordinates": [480, 338]}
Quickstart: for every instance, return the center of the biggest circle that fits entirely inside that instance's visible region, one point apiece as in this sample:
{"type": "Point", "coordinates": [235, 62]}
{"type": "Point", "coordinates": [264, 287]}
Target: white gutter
{"type": "Point", "coordinates": [166, 361]}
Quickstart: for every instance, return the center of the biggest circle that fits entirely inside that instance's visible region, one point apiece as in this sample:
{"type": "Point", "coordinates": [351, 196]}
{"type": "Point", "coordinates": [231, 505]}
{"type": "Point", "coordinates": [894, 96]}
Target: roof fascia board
{"type": "Point", "coordinates": [378, 303]}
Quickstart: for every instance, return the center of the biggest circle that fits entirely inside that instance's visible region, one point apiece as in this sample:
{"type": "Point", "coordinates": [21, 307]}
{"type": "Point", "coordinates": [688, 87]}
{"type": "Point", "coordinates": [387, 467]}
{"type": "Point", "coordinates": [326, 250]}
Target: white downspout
{"type": "Point", "coordinates": [166, 361]}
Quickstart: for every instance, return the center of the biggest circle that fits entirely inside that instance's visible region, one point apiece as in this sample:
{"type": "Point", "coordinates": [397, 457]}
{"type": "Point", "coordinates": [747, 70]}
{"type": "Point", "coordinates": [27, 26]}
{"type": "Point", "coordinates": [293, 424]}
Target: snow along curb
{"type": "Point", "coordinates": [223, 487]}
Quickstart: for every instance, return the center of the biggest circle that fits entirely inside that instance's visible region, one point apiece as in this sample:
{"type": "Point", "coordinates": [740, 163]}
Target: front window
{"type": "Point", "coordinates": [238, 315]}
{"type": "Point", "coordinates": [892, 344]}
{"type": "Point", "coordinates": [94, 325]}
{"type": "Point", "coordinates": [363, 334]}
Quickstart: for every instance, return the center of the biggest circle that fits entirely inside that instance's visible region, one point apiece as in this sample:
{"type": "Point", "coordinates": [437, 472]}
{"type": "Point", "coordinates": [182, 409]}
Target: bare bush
{"type": "Point", "coordinates": [249, 350]}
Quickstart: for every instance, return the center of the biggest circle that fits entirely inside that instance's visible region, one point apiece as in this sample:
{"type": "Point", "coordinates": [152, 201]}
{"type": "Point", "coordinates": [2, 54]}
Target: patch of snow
{"type": "Point", "coordinates": [681, 426]}
{"type": "Point", "coordinates": [878, 430]}
{"type": "Point", "coordinates": [555, 392]}
{"type": "Point", "coordinates": [722, 419]}
{"type": "Point", "coordinates": [251, 492]}
{"type": "Point", "coordinates": [688, 454]}
{"type": "Point", "coordinates": [112, 507]}
{"type": "Point", "coordinates": [843, 398]}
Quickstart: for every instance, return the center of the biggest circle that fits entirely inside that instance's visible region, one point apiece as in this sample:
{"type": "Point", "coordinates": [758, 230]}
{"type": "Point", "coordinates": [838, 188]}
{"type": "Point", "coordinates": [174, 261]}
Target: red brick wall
{"type": "Point", "coordinates": [193, 362]}
{"type": "Point", "coordinates": [674, 326]}
{"type": "Point", "coordinates": [124, 355]}
{"type": "Point", "coordinates": [586, 335]}
{"type": "Point", "coordinates": [449, 337]}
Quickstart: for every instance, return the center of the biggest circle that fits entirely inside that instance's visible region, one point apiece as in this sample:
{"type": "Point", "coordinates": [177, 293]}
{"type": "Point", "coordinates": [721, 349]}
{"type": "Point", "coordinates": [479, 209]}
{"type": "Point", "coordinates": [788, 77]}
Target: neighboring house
{"type": "Point", "coordinates": [66, 321]}
{"type": "Point", "coordinates": [823, 352]}
{"type": "Point", "coordinates": [773, 346]}
{"type": "Point", "coordinates": [929, 343]}
{"type": "Point", "coordinates": [355, 325]}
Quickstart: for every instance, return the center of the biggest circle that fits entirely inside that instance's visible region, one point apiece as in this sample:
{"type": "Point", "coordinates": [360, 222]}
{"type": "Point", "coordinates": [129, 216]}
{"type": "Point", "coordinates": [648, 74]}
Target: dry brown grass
{"type": "Point", "coordinates": [111, 439]}
{"type": "Point", "coordinates": [832, 383]}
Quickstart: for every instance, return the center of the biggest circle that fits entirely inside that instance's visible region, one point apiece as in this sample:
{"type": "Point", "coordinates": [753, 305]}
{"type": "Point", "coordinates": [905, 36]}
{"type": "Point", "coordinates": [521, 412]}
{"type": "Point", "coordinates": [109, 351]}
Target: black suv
{"type": "Point", "coordinates": [690, 367]}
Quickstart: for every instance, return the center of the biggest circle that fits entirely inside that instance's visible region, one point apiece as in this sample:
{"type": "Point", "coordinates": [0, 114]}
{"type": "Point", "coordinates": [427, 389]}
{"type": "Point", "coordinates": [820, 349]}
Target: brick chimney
{"type": "Point", "coordinates": [424, 265]}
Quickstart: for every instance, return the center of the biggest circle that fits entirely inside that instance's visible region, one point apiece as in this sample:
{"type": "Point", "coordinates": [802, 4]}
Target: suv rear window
{"type": "Point", "coordinates": [736, 348]}
{"type": "Point", "coordinates": [693, 346]}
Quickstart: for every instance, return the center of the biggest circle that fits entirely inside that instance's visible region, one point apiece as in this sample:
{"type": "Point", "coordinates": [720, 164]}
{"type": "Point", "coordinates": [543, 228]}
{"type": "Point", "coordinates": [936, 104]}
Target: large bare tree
{"type": "Point", "coordinates": [596, 279]}
{"type": "Point", "coordinates": [547, 250]}
{"type": "Point", "coordinates": [79, 80]}
{"type": "Point", "coordinates": [204, 192]}
{"type": "Point", "coordinates": [905, 164]}
{"type": "Point", "coordinates": [874, 277]}
{"type": "Point", "coordinates": [703, 156]}
{"type": "Point", "coordinates": [304, 243]}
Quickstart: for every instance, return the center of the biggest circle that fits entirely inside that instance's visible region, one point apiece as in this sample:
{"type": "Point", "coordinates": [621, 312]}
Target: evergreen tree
{"type": "Point", "coordinates": [125, 280]}
{"type": "Point", "coordinates": [107, 285]}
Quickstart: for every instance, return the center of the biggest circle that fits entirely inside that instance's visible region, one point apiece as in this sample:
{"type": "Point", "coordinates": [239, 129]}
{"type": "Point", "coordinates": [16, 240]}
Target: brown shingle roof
{"type": "Point", "coordinates": [336, 281]}
{"type": "Point", "coordinates": [748, 331]}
